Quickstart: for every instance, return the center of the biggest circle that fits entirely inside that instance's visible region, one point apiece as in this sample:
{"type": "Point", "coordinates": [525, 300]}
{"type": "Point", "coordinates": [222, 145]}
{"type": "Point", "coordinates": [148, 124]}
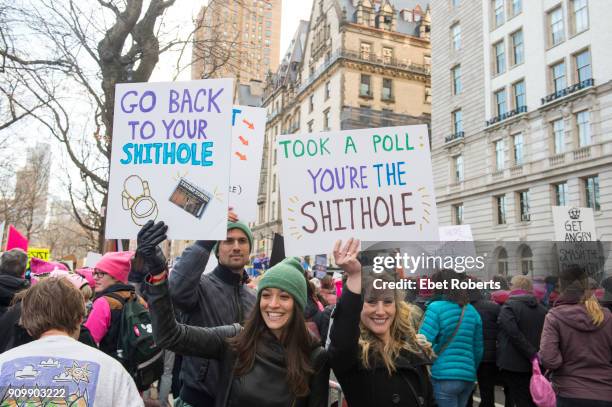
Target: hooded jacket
{"type": "Point", "coordinates": [520, 321]}
{"type": "Point", "coordinates": [9, 286]}
{"type": "Point", "coordinates": [266, 383]}
{"type": "Point", "coordinates": [578, 352]}
{"type": "Point", "coordinates": [206, 300]}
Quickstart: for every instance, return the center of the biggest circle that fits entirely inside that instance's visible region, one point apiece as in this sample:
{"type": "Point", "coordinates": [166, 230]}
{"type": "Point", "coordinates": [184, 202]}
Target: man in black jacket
{"type": "Point", "coordinates": [521, 320]}
{"type": "Point", "coordinates": [209, 300]}
{"type": "Point", "coordinates": [12, 268]}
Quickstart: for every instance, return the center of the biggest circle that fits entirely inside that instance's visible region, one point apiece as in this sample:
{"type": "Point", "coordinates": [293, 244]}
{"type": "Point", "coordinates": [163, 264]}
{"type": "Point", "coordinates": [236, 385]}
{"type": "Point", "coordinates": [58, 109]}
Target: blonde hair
{"type": "Point", "coordinates": [403, 337]}
{"type": "Point", "coordinates": [593, 308]}
{"type": "Point", "coordinates": [87, 292]}
{"type": "Point", "coordinates": [521, 283]}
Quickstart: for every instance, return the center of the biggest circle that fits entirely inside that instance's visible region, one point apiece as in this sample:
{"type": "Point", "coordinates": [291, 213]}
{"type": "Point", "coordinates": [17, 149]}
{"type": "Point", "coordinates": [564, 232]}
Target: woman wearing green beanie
{"type": "Point", "coordinates": [273, 361]}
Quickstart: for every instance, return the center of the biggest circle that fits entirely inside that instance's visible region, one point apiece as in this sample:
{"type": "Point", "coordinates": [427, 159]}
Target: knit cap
{"type": "Point", "coordinates": [237, 225]}
{"type": "Point", "coordinates": [288, 275]}
{"type": "Point", "coordinates": [116, 264]}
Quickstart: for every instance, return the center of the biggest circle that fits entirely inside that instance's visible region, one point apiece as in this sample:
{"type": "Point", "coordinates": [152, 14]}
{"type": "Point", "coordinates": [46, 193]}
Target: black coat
{"type": "Point", "coordinates": [521, 320]}
{"type": "Point", "coordinates": [265, 384]}
{"type": "Point", "coordinates": [409, 386]}
{"type": "Point", "coordinates": [9, 286]}
{"type": "Point", "coordinates": [489, 312]}
{"type": "Point", "coordinates": [206, 300]}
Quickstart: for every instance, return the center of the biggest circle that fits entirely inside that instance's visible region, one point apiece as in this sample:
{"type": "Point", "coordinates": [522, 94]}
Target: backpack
{"type": "Point", "coordinates": [136, 348]}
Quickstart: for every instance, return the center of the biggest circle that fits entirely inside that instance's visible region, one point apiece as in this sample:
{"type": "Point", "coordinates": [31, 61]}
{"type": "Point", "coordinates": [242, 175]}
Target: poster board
{"type": "Point", "coordinates": [574, 224]}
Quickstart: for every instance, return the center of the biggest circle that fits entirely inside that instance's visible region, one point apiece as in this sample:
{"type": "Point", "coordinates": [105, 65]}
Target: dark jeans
{"type": "Point", "coordinates": [518, 387]}
{"type": "Point", "coordinates": [489, 376]}
{"type": "Point", "coordinates": [565, 402]}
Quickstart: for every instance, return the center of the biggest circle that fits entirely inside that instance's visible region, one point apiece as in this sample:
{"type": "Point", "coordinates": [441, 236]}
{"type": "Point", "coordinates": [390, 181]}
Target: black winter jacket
{"type": "Point", "coordinates": [489, 312]}
{"type": "Point", "coordinates": [409, 386]}
{"type": "Point", "coordinates": [521, 320]}
{"type": "Point", "coordinates": [9, 286]}
{"type": "Point", "coordinates": [206, 300]}
{"type": "Point", "coordinates": [264, 385]}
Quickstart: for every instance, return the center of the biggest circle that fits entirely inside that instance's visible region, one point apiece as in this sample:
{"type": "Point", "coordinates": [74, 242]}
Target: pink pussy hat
{"type": "Point", "coordinates": [38, 266]}
{"type": "Point", "coordinates": [87, 273]}
{"type": "Point", "coordinates": [116, 264]}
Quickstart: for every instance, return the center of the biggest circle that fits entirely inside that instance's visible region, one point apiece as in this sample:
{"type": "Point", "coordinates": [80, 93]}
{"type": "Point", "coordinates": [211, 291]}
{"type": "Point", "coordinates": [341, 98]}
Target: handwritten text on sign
{"type": "Point", "coordinates": [170, 158]}
{"type": "Point", "coordinates": [373, 184]}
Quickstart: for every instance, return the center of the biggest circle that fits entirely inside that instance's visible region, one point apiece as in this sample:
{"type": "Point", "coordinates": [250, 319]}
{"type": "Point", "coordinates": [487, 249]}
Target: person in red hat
{"type": "Point", "coordinates": [111, 282]}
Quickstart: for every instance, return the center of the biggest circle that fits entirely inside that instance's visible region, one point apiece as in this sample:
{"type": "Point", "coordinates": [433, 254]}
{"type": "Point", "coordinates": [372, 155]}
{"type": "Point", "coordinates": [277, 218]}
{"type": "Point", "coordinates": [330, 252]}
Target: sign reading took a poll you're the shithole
{"type": "Point", "coordinates": [171, 158]}
{"type": "Point", "coordinates": [372, 184]}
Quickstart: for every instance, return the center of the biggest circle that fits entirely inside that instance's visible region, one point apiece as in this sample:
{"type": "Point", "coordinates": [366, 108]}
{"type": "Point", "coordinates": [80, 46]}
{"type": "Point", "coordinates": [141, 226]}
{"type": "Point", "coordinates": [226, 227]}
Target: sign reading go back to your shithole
{"type": "Point", "coordinates": [372, 184]}
{"type": "Point", "coordinates": [171, 158]}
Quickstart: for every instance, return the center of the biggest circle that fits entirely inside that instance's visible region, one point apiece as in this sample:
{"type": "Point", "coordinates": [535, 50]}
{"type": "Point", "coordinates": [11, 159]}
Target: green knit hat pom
{"type": "Point", "coordinates": [288, 275]}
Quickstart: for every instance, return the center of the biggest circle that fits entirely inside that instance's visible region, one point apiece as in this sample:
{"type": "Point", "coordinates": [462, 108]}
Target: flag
{"type": "Point", "coordinates": [16, 240]}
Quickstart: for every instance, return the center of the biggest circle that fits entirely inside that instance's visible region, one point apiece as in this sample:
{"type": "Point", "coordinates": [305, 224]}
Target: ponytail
{"type": "Point", "coordinates": [594, 309]}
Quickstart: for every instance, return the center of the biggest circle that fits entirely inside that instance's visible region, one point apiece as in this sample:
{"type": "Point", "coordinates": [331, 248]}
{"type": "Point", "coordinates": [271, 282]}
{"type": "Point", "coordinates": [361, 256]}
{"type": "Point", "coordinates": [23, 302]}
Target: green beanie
{"type": "Point", "coordinates": [237, 225]}
{"type": "Point", "coordinates": [288, 275]}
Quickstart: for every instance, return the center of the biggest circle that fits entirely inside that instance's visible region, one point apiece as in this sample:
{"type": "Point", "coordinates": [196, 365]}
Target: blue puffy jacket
{"type": "Point", "coordinates": [460, 359]}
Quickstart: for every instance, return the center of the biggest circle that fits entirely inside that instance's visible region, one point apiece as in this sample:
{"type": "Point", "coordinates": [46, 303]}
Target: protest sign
{"type": "Point", "coordinates": [456, 233]}
{"type": "Point", "coordinates": [91, 259]}
{"type": "Point", "coordinates": [574, 224]}
{"type": "Point", "coordinates": [372, 184]}
{"type": "Point", "coordinates": [248, 130]}
{"type": "Point", "coordinates": [320, 266]}
{"type": "Point", "coordinates": [15, 240]}
{"type": "Point", "coordinates": [171, 158]}
{"type": "Point", "coordinates": [39, 253]}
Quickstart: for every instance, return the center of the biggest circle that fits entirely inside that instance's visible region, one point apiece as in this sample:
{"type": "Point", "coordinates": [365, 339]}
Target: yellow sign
{"type": "Point", "coordinates": [40, 253]}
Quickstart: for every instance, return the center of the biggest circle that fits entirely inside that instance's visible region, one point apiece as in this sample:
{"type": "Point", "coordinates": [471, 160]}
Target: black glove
{"type": "Point", "coordinates": [149, 257]}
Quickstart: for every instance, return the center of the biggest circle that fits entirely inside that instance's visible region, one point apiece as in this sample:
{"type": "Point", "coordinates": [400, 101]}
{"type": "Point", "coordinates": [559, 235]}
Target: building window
{"type": "Point", "coordinates": [526, 261]}
{"type": "Point", "coordinates": [365, 50]}
{"type": "Point", "coordinates": [327, 90]}
{"type": "Point", "coordinates": [502, 262]}
{"type": "Point", "coordinates": [517, 47]}
{"type": "Point", "coordinates": [523, 198]}
{"type": "Point", "coordinates": [558, 129]}
{"type": "Point", "coordinates": [364, 88]}
{"type": "Point", "coordinates": [583, 66]}
{"type": "Point", "coordinates": [500, 202]}
{"type": "Point", "coordinates": [555, 18]}
{"type": "Point", "coordinates": [455, 3]}
{"type": "Point", "coordinates": [519, 94]}
{"type": "Point", "coordinates": [427, 94]}
{"type": "Point", "coordinates": [326, 120]}
{"type": "Point", "coordinates": [456, 36]}
{"type": "Point", "coordinates": [458, 214]}
{"type": "Point", "coordinates": [516, 7]}
{"type": "Point", "coordinates": [584, 130]}
{"type": "Point", "coordinates": [579, 16]}
{"type": "Point", "coordinates": [310, 123]}
{"type": "Point", "coordinates": [517, 142]}
{"type": "Point", "coordinates": [273, 211]}
{"type": "Point", "coordinates": [591, 190]}
{"type": "Point", "coordinates": [274, 156]}
{"type": "Point", "coordinates": [500, 57]}
{"type": "Point", "coordinates": [456, 75]}
{"type": "Point", "coordinates": [387, 89]}
{"type": "Point", "coordinates": [500, 102]}
{"type": "Point", "coordinates": [458, 164]}
{"type": "Point", "coordinates": [457, 121]}
{"type": "Point", "coordinates": [561, 194]}
{"type": "Point", "coordinates": [310, 103]}
{"type": "Point", "coordinates": [273, 182]}
{"type": "Point", "coordinates": [498, 7]}
{"type": "Point", "coordinates": [387, 55]}
{"type": "Point", "coordinates": [558, 76]}
{"type": "Point", "coordinates": [499, 155]}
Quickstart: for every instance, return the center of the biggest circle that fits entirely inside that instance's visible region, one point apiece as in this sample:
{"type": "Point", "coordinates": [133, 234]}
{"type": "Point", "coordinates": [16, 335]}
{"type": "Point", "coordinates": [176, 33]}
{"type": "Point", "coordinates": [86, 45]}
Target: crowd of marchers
{"type": "Point", "coordinates": [132, 326]}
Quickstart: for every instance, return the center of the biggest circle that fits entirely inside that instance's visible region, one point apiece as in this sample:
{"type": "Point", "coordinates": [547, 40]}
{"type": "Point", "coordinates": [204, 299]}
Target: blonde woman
{"type": "Point", "coordinates": [374, 351]}
{"type": "Point", "coordinates": [577, 344]}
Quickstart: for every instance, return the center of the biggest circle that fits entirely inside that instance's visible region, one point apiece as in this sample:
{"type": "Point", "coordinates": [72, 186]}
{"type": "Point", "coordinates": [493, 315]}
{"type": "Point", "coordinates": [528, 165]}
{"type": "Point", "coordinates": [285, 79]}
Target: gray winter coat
{"type": "Point", "coordinates": [206, 300]}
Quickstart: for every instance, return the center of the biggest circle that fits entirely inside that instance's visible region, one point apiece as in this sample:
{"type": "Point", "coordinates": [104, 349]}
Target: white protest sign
{"type": "Point", "coordinates": [456, 233]}
{"type": "Point", "coordinates": [248, 131]}
{"type": "Point", "coordinates": [171, 158]}
{"type": "Point", "coordinates": [91, 259]}
{"type": "Point", "coordinates": [372, 184]}
{"type": "Point", "coordinates": [573, 224]}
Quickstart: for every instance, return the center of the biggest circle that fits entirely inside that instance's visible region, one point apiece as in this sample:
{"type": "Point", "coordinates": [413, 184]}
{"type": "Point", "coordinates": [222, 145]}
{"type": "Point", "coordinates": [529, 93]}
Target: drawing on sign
{"type": "Point", "coordinates": [191, 198]}
{"type": "Point", "coordinates": [573, 228]}
{"type": "Point", "coordinates": [136, 198]}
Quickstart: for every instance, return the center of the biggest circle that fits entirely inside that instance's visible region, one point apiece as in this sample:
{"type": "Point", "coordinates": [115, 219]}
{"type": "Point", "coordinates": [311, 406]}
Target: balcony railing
{"type": "Point", "coordinates": [582, 153]}
{"type": "Point", "coordinates": [556, 159]}
{"type": "Point", "coordinates": [569, 90]}
{"type": "Point", "coordinates": [360, 118]}
{"type": "Point", "coordinates": [455, 136]}
{"type": "Point", "coordinates": [525, 217]}
{"type": "Point", "coordinates": [507, 115]}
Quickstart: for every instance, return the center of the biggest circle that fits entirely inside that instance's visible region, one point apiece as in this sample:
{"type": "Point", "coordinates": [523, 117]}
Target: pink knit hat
{"type": "Point", "coordinates": [38, 266]}
{"type": "Point", "coordinates": [87, 273]}
{"type": "Point", "coordinates": [116, 264]}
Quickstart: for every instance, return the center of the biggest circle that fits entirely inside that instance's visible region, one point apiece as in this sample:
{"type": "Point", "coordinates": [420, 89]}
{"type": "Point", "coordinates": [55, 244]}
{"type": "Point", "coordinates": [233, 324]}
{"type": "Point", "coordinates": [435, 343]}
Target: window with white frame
{"type": "Point", "coordinates": [517, 143]}
{"type": "Point", "coordinates": [561, 194]}
{"type": "Point", "coordinates": [499, 155]}
{"type": "Point", "coordinates": [523, 198]}
{"type": "Point", "coordinates": [500, 57]}
{"type": "Point", "coordinates": [326, 122]}
{"type": "Point", "coordinates": [556, 27]}
{"type": "Point", "coordinates": [365, 50]}
{"type": "Point", "coordinates": [558, 76]}
{"type": "Point", "coordinates": [500, 102]}
{"type": "Point", "coordinates": [501, 209]}
{"type": "Point", "coordinates": [456, 36]}
{"type": "Point", "coordinates": [579, 15]}
{"type": "Point", "coordinates": [498, 11]}
{"type": "Point", "coordinates": [516, 6]}
{"type": "Point", "coordinates": [387, 55]}
{"type": "Point", "coordinates": [456, 75]}
{"type": "Point", "coordinates": [583, 124]}
{"type": "Point", "coordinates": [458, 164]}
{"type": "Point", "coordinates": [327, 90]}
{"type": "Point", "coordinates": [591, 190]}
{"type": "Point", "coordinates": [582, 61]}
{"type": "Point", "coordinates": [516, 39]}
{"type": "Point", "coordinates": [458, 214]}
{"type": "Point", "coordinates": [387, 89]}
{"type": "Point", "coordinates": [518, 89]}
{"type": "Point", "coordinates": [558, 129]}
{"type": "Point", "coordinates": [364, 87]}
{"type": "Point", "coordinates": [457, 121]}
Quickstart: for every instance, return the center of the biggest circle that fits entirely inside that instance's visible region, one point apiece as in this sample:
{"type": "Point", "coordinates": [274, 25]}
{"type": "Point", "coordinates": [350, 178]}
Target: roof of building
{"type": "Point", "coordinates": [405, 27]}
{"type": "Point", "coordinates": [288, 69]}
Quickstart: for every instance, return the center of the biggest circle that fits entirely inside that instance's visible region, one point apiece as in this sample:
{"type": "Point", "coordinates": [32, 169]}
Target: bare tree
{"type": "Point", "coordinates": [66, 81]}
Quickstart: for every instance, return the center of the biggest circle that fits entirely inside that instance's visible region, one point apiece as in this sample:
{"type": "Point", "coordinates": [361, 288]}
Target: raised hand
{"type": "Point", "coordinates": [149, 257]}
{"type": "Point", "coordinates": [346, 258]}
